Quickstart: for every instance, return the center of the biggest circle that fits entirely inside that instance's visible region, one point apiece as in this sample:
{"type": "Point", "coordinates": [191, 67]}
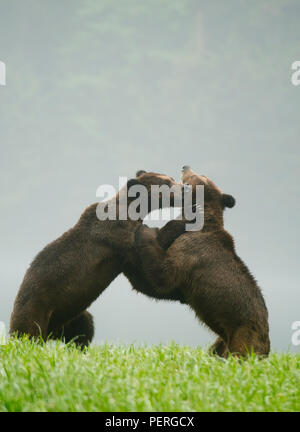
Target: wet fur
{"type": "Point", "coordinates": [70, 273]}
{"type": "Point", "coordinates": [202, 269]}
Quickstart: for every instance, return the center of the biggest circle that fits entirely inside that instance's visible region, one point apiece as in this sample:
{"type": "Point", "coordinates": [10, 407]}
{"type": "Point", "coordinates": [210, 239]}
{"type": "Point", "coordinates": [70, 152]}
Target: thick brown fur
{"type": "Point", "coordinates": [202, 269]}
{"type": "Point", "coordinates": [72, 271]}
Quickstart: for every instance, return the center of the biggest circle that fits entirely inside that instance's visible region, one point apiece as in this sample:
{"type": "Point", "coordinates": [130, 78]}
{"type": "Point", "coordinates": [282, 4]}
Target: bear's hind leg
{"type": "Point", "coordinates": [80, 328]}
{"type": "Point", "coordinates": [245, 340]}
{"type": "Point", "coordinates": [29, 319]}
{"type": "Point", "coordinates": [218, 348]}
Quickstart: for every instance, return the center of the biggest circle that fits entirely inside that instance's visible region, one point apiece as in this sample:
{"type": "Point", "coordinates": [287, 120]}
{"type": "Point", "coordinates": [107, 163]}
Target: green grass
{"type": "Point", "coordinates": [56, 377]}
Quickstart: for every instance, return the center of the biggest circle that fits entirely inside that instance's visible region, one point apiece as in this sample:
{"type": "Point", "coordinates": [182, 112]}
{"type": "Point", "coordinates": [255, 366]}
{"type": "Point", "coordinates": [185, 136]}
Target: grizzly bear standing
{"type": "Point", "coordinates": [72, 271]}
{"type": "Point", "coordinates": [202, 269]}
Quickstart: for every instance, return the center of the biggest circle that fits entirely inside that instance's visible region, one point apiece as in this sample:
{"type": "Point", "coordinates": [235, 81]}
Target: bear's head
{"type": "Point", "coordinates": [214, 200]}
{"type": "Point", "coordinates": [163, 184]}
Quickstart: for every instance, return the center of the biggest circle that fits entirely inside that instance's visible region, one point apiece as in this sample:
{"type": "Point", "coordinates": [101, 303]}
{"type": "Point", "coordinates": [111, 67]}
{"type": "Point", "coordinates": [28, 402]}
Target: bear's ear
{"type": "Point", "coordinates": [133, 182]}
{"type": "Point", "coordinates": [228, 200]}
{"type": "Point", "coordinates": [139, 173]}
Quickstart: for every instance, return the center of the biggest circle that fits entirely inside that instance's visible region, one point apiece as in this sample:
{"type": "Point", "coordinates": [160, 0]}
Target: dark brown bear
{"type": "Point", "coordinates": [202, 269]}
{"type": "Point", "coordinates": [72, 271]}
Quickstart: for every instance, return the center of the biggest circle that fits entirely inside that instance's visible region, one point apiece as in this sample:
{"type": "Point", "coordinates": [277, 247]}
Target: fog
{"type": "Point", "coordinates": [99, 89]}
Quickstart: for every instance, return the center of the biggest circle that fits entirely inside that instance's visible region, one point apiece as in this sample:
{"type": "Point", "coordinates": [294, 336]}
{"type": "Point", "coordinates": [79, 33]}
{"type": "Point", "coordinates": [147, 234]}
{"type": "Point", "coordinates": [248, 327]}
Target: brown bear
{"type": "Point", "coordinates": [72, 271]}
{"type": "Point", "coordinates": [201, 268]}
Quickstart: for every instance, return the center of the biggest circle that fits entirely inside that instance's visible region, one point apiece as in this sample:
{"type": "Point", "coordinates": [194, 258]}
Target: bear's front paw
{"type": "Point", "coordinates": [170, 232]}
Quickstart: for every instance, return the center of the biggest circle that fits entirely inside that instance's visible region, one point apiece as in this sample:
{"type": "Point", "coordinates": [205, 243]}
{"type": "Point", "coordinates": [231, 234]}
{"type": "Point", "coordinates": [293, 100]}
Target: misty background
{"type": "Point", "coordinates": [97, 89]}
